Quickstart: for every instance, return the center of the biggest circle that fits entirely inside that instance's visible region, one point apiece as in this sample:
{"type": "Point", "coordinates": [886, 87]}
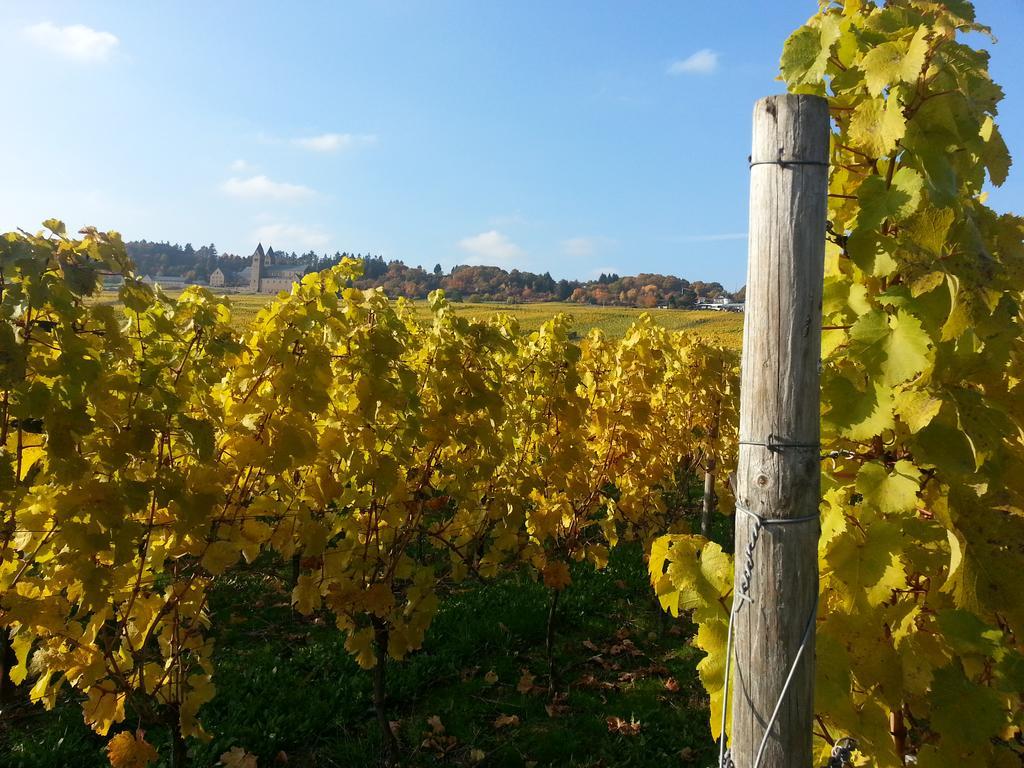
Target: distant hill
{"type": "Point", "coordinates": [464, 282]}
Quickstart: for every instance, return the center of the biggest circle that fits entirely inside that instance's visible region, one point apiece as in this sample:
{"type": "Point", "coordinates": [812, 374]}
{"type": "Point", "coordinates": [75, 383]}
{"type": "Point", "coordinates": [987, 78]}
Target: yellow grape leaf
{"type": "Point", "coordinates": [916, 408]}
{"type": "Point", "coordinates": [711, 638]}
{"type": "Point", "coordinates": [219, 556]}
{"type": "Point", "coordinates": [556, 575]}
{"type": "Point", "coordinates": [876, 126]}
{"type": "Point", "coordinates": [22, 645]}
{"type": "Point", "coordinates": [890, 492]}
{"type": "Point", "coordinates": [306, 594]}
{"type": "Point", "coordinates": [103, 708]}
{"type": "Point", "coordinates": [128, 750]}
{"type": "Point", "coordinates": [379, 599]}
{"type": "Point", "coordinates": [697, 575]}
{"type": "Point", "coordinates": [359, 643]}
{"type": "Point", "coordinates": [894, 62]}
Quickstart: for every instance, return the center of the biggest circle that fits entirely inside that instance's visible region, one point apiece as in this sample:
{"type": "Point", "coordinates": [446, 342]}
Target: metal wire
{"type": "Point", "coordinates": [743, 596]}
{"type": "Point", "coordinates": [777, 445]}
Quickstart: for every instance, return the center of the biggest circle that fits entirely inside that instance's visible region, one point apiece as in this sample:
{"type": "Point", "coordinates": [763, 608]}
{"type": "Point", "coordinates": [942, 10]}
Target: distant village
{"type": "Point", "coordinates": [263, 274]}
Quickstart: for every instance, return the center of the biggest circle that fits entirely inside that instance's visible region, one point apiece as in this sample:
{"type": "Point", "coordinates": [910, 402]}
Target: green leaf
{"type": "Point", "coordinates": [867, 563]}
{"type": "Point", "coordinates": [896, 202]}
{"type": "Point", "coordinates": [928, 229]}
{"type": "Point", "coordinates": [995, 154]}
{"type": "Point", "coordinates": [855, 414]}
{"type": "Point", "coordinates": [916, 408]}
{"type": "Point", "coordinates": [963, 712]}
{"type": "Point", "coordinates": [968, 634]}
{"type": "Point", "coordinates": [890, 492]}
{"type": "Point", "coordinates": [56, 226]}
{"type": "Point", "coordinates": [805, 53]}
{"type": "Point", "coordinates": [892, 348]}
{"type": "Point", "coordinates": [872, 251]}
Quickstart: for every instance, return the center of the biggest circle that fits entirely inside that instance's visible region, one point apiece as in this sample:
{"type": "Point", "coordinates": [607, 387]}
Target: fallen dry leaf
{"type": "Point", "coordinates": [625, 727]}
{"type": "Point", "coordinates": [672, 685]}
{"type": "Point", "coordinates": [503, 721]}
{"type": "Point", "coordinates": [526, 682]}
{"type": "Point", "coordinates": [557, 707]}
{"type": "Point", "coordinates": [434, 721]}
{"type": "Point", "coordinates": [491, 677]}
{"type": "Point", "coordinates": [236, 757]}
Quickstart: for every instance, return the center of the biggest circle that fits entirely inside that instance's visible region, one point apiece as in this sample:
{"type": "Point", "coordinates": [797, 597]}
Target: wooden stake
{"type": "Point", "coordinates": [710, 502]}
{"type": "Point", "coordinates": [778, 474]}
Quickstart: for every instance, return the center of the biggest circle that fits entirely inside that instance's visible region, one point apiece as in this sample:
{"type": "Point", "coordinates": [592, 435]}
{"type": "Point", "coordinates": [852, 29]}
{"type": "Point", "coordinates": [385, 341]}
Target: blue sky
{"type": "Point", "coordinates": [571, 137]}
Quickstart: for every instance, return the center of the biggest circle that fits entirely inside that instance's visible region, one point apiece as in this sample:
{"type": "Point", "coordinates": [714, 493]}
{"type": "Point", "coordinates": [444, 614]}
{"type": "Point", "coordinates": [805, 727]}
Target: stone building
{"type": "Point", "coordinates": [267, 277]}
{"type": "Point", "coordinates": [263, 275]}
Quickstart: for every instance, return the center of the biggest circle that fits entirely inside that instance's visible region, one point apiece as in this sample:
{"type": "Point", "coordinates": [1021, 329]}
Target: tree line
{"type": "Point", "coordinates": [462, 283]}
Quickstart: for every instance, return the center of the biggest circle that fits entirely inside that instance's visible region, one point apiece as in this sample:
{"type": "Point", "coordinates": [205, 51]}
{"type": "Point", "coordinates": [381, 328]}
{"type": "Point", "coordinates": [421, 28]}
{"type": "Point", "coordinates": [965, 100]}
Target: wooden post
{"type": "Point", "coordinates": [709, 505]}
{"type": "Point", "coordinates": [778, 473]}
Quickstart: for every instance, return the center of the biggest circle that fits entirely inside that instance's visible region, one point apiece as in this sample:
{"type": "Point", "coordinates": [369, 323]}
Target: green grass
{"type": "Point", "coordinates": [287, 685]}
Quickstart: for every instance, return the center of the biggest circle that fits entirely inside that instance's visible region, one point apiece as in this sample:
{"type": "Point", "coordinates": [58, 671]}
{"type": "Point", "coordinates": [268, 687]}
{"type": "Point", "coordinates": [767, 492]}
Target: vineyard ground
{"type": "Point", "coordinates": [725, 328]}
{"type": "Point", "coordinates": [286, 685]}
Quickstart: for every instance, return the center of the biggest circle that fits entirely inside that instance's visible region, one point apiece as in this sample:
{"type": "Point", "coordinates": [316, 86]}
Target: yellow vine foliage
{"type": "Point", "coordinates": [920, 625]}
{"type": "Point", "coordinates": [148, 450]}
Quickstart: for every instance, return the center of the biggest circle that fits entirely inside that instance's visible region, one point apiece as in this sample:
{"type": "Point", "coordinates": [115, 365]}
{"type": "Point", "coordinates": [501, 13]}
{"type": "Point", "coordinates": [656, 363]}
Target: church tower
{"type": "Point", "coordinates": [256, 273]}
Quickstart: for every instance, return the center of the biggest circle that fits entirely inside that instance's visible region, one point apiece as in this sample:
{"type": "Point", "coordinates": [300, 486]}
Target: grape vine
{"type": "Point", "coordinates": [920, 626]}
{"type": "Point", "coordinates": [149, 450]}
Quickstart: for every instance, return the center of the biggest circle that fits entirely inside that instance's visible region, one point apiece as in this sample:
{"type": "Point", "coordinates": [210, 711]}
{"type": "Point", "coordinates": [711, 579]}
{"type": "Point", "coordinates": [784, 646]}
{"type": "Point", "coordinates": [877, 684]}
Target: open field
{"type": "Point", "coordinates": [725, 328]}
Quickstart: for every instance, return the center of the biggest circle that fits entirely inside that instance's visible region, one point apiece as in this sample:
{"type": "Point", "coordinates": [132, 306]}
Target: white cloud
{"type": "Point", "coordinates": [240, 166]}
{"type": "Point", "coordinates": [75, 41]}
{"type": "Point", "coordinates": [260, 187]}
{"type": "Point", "coordinates": [492, 247]}
{"type": "Point", "coordinates": [332, 142]}
{"type": "Point", "coordinates": [290, 236]}
{"type": "Point", "coordinates": [581, 247]}
{"type": "Point", "coordinates": [703, 62]}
